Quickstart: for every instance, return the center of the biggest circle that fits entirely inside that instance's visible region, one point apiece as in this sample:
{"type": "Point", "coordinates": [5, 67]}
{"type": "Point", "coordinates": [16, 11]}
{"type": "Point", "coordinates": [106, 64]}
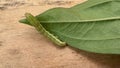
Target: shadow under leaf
{"type": "Point", "coordinates": [104, 60]}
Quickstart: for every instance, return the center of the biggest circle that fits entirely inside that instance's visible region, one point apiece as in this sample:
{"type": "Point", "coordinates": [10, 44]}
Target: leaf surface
{"type": "Point", "coordinates": [92, 26]}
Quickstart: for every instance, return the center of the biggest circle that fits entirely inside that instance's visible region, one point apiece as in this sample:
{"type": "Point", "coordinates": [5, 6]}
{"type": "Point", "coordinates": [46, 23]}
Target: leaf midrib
{"type": "Point", "coordinates": [82, 21]}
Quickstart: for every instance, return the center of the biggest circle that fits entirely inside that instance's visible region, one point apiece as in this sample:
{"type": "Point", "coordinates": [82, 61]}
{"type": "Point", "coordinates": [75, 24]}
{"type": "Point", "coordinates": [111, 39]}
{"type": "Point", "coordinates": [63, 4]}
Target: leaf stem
{"type": "Point", "coordinates": [33, 21]}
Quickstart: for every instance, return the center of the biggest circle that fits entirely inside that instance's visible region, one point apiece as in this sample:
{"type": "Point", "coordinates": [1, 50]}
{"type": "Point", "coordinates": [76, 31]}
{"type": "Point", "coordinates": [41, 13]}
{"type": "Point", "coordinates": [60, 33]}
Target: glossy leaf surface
{"type": "Point", "coordinates": [92, 26]}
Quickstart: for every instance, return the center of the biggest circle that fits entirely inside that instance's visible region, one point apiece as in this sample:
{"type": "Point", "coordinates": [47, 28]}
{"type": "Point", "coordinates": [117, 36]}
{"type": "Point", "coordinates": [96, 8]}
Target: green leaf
{"type": "Point", "coordinates": [92, 26]}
